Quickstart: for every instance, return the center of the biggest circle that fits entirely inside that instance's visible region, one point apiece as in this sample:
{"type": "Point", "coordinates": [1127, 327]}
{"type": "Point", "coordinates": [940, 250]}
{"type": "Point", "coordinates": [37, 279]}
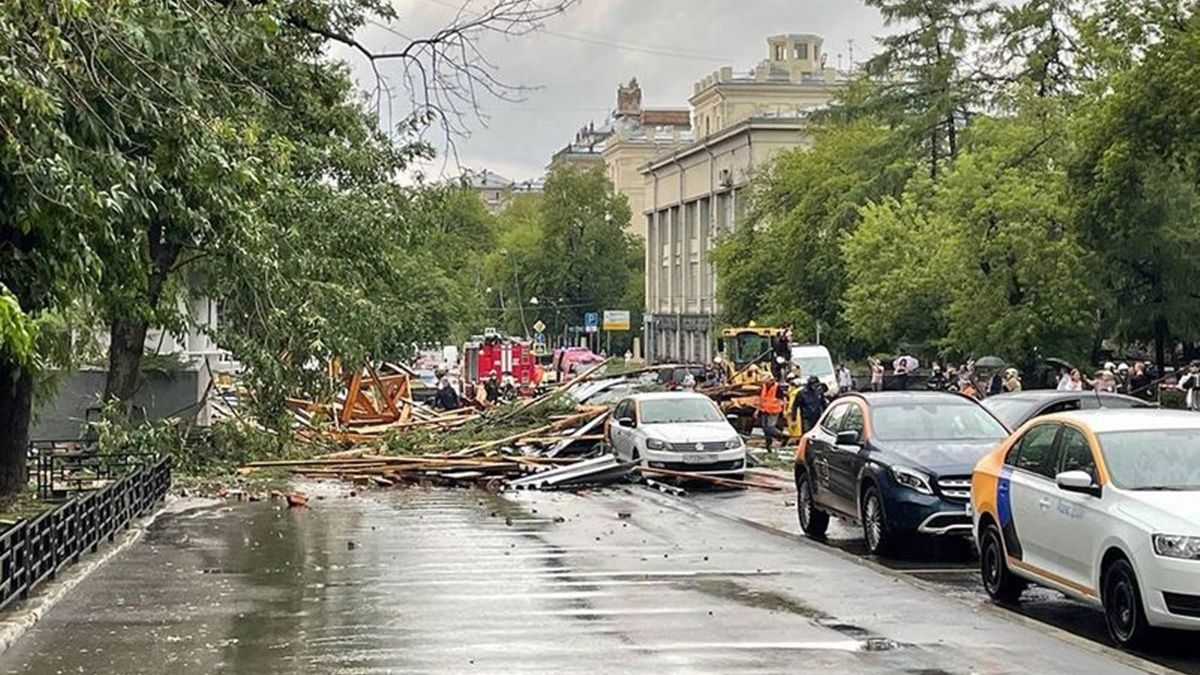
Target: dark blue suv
{"type": "Point", "coordinates": [899, 463]}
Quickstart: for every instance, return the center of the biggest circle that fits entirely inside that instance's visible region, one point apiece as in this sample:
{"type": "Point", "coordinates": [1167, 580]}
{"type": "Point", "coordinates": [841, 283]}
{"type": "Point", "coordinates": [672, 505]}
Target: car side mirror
{"type": "Point", "coordinates": [849, 438]}
{"type": "Point", "coordinates": [626, 422]}
{"type": "Point", "coordinates": [1077, 481]}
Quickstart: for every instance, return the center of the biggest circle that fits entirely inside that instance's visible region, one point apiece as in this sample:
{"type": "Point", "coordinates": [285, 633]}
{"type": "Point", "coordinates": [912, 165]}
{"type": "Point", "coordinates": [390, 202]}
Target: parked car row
{"type": "Point", "coordinates": [1093, 495]}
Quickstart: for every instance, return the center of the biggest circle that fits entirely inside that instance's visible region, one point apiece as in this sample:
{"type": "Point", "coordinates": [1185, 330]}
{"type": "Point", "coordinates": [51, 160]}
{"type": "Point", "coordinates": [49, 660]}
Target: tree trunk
{"type": "Point", "coordinates": [126, 343]}
{"type": "Point", "coordinates": [16, 412]}
{"type": "Point", "coordinates": [1160, 343]}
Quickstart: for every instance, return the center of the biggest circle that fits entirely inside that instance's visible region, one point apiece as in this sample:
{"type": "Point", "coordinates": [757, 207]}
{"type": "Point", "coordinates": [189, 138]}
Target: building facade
{"type": "Point", "coordinates": [585, 151]}
{"type": "Point", "coordinates": [694, 194]}
{"type": "Point", "coordinates": [495, 190]}
{"type": "Point", "coordinates": [638, 136]}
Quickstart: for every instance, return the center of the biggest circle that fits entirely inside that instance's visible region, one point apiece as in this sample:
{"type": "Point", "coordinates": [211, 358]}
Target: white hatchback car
{"type": "Point", "coordinates": [677, 431]}
{"type": "Point", "coordinates": [1103, 505]}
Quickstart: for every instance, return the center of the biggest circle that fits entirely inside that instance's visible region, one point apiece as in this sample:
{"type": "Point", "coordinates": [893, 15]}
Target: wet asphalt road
{"type": "Point", "coordinates": [616, 580]}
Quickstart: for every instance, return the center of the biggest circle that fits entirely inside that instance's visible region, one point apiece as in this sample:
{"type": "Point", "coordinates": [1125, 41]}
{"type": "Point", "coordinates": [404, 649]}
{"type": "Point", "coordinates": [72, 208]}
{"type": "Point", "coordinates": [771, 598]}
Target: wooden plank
{"type": "Point", "coordinates": [705, 477]}
{"type": "Point", "coordinates": [381, 392]}
{"type": "Point", "coordinates": [347, 412]}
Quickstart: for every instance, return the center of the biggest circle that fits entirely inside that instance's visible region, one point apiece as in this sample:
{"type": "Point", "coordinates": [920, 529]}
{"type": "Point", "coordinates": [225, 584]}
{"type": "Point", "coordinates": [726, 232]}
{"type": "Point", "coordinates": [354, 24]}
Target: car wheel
{"type": "Point", "coordinates": [1123, 610]}
{"type": "Point", "coordinates": [876, 531]}
{"type": "Point", "coordinates": [813, 521]}
{"type": "Point", "coordinates": [998, 580]}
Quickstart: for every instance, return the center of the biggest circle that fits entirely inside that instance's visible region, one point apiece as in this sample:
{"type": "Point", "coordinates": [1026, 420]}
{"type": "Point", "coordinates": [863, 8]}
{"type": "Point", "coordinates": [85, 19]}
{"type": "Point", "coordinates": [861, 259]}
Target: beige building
{"type": "Point", "coordinates": [638, 136]}
{"type": "Point", "coordinates": [584, 152]}
{"type": "Point", "coordinates": [630, 137]}
{"type": "Point", "coordinates": [697, 192]}
{"type": "Point", "coordinates": [495, 191]}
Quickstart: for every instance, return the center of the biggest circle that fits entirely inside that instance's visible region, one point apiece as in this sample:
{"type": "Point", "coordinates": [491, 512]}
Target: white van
{"type": "Point", "coordinates": [815, 360]}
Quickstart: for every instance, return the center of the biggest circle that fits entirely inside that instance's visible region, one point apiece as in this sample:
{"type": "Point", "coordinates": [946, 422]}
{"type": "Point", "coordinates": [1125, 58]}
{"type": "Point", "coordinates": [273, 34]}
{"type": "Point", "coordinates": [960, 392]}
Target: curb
{"type": "Point", "coordinates": [31, 610]}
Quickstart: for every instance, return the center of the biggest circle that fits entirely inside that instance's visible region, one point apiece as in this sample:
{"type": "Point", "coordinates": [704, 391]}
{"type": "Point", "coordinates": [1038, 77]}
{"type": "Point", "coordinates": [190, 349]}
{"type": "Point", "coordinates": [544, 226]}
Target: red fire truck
{"type": "Point", "coordinates": [506, 356]}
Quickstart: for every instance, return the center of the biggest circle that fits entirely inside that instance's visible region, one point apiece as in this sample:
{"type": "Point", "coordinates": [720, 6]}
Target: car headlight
{"type": "Point", "coordinates": [913, 479]}
{"type": "Point", "coordinates": [734, 443]}
{"type": "Point", "coordinates": [1177, 546]}
{"type": "Point", "coordinates": [655, 444]}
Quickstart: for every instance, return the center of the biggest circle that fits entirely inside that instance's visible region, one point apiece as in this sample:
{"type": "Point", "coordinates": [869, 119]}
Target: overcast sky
{"type": "Point", "coordinates": [576, 62]}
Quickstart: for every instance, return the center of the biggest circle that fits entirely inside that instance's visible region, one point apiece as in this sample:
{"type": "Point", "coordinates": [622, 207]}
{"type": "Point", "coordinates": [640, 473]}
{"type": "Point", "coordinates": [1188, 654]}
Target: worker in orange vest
{"type": "Point", "coordinates": [770, 407]}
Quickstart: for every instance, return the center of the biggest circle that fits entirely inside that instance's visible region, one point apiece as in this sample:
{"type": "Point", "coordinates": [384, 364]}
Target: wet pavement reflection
{"type": "Point", "coordinates": [456, 581]}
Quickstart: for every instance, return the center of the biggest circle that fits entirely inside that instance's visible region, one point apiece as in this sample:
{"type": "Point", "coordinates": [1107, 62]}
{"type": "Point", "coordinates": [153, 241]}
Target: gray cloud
{"type": "Point", "coordinates": [577, 62]}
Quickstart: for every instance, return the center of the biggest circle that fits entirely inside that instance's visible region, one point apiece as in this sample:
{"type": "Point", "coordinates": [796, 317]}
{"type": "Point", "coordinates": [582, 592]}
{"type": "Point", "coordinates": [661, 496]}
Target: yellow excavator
{"type": "Point", "coordinates": [748, 349]}
{"type": "Point", "coordinates": [746, 345]}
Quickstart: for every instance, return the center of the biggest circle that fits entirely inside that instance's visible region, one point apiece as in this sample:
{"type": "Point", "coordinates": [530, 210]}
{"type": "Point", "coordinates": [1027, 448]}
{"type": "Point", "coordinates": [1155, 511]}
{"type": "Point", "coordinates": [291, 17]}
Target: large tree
{"type": "Point", "coordinates": [1136, 176]}
{"type": "Point", "coordinates": [146, 147]}
{"type": "Point", "coordinates": [927, 85]}
{"type": "Point", "coordinates": [787, 267]}
{"type": "Point", "coordinates": [570, 248]}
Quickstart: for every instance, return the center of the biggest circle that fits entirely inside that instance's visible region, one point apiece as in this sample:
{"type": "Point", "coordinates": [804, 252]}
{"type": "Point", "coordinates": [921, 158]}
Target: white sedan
{"type": "Point", "coordinates": [1102, 505]}
{"type": "Point", "coordinates": [676, 431]}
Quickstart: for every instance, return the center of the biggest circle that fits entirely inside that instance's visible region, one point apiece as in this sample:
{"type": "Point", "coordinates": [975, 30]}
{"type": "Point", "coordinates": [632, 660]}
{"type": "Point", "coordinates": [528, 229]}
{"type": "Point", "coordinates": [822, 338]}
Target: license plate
{"type": "Point", "coordinates": [699, 459]}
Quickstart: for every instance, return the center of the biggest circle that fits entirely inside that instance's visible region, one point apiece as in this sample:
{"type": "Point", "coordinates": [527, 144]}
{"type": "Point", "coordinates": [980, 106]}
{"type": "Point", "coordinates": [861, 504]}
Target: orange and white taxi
{"type": "Point", "coordinates": [1103, 505]}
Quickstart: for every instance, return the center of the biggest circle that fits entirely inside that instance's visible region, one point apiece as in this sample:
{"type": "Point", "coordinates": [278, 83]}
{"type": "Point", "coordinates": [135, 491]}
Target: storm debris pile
{"type": "Point", "coordinates": [552, 441]}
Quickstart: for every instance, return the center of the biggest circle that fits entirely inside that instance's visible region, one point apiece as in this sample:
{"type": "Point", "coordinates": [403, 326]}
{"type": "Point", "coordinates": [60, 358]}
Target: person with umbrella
{"type": "Point", "coordinates": [992, 365]}
{"type": "Point", "coordinates": [903, 366]}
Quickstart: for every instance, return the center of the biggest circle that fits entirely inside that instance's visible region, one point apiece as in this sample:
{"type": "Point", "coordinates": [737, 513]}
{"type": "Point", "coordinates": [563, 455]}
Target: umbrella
{"type": "Point", "coordinates": [906, 362]}
{"type": "Point", "coordinates": [990, 362]}
{"type": "Point", "coordinates": [1061, 363]}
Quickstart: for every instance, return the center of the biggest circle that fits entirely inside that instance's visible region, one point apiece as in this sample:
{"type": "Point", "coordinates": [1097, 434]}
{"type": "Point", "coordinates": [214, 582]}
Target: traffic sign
{"type": "Point", "coordinates": [591, 322]}
{"type": "Point", "coordinates": [616, 319]}
{"type": "Point", "coordinates": [539, 327]}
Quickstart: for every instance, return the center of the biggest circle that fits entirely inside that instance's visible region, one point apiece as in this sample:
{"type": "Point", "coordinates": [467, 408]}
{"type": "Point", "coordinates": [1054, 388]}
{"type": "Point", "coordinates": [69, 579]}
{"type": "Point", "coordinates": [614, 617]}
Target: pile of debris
{"type": "Point", "coordinates": [555, 440]}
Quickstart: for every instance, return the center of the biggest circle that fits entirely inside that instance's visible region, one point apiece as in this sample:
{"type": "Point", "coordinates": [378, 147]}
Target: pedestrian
{"type": "Point", "coordinates": [770, 407]}
{"type": "Point", "coordinates": [1074, 380]}
{"type": "Point", "coordinates": [1064, 380]}
{"type": "Point", "coordinates": [900, 370]}
{"type": "Point", "coordinates": [1140, 384]}
{"type": "Point", "coordinates": [876, 374]}
{"type": "Point", "coordinates": [491, 388]}
{"type": "Point", "coordinates": [937, 379]}
{"type": "Point", "coordinates": [689, 381]}
{"type": "Point", "coordinates": [1190, 383]}
{"type": "Point", "coordinates": [845, 380]}
{"type": "Point", "coordinates": [781, 347]}
{"type": "Point", "coordinates": [811, 402]}
{"type": "Point", "coordinates": [446, 397]}
{"type": "Point", "coordinates": [1123, 376]}
{"type": "Point", "coordinates": [966, 381]}
{"type": "Point", "coordinates": [1012, 381]}
{"type": "Point", "coordinates": [1104, 381]}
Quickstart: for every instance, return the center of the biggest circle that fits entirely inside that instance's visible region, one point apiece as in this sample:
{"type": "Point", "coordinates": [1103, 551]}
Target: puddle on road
{"type": "Point", "coordinates": [778, 602]}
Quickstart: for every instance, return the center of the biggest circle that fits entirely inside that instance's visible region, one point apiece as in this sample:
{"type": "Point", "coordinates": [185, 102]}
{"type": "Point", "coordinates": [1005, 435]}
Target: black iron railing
{"type": "Point", "coordinates": [66, 467]}
{"type": "Point", "coordinates": [38, 548]}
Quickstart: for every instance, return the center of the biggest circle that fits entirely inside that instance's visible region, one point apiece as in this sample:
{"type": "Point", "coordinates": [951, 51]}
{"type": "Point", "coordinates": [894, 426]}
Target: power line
{"type": "Point", "coordinates": [605, 42]}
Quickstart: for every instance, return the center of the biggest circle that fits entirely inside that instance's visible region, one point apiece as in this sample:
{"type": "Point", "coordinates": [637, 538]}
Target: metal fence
{"type": "Point", "coordinates": [63, 468]}
{"type": "Point", "coordinates": [38, 548]}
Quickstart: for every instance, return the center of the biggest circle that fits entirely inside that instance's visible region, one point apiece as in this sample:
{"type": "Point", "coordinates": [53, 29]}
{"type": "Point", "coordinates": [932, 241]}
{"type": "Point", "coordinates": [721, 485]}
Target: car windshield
{"type": "Point", "coordinates": [813, 365]}
{"type": "Point", "coordinates": [935, 422]}
{"type": "Point", "coordinates": [679, 410]}
{"type": "Point", "coordinates": [1160, 459]}
{"type": "Point", "coordinates": [1011, 411]}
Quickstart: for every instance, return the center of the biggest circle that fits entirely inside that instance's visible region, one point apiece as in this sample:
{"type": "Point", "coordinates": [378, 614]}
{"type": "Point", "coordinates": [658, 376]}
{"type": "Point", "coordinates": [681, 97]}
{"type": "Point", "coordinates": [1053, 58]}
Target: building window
{"type": "Point", "coordinates": [802, 52]}
{"type": "Point", "coordinates": [780, 52]}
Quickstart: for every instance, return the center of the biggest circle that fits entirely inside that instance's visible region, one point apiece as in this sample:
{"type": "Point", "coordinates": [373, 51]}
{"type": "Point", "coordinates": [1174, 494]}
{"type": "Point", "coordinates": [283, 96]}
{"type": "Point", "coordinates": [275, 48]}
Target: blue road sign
{"type": "Point", "coordinates": [591, 322]}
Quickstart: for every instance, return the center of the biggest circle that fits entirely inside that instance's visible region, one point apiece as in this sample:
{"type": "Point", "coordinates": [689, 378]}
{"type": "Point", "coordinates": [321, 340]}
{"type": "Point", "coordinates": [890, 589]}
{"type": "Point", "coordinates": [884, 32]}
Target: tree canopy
{"type": "Point", "coordinates": [1013, 178]}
